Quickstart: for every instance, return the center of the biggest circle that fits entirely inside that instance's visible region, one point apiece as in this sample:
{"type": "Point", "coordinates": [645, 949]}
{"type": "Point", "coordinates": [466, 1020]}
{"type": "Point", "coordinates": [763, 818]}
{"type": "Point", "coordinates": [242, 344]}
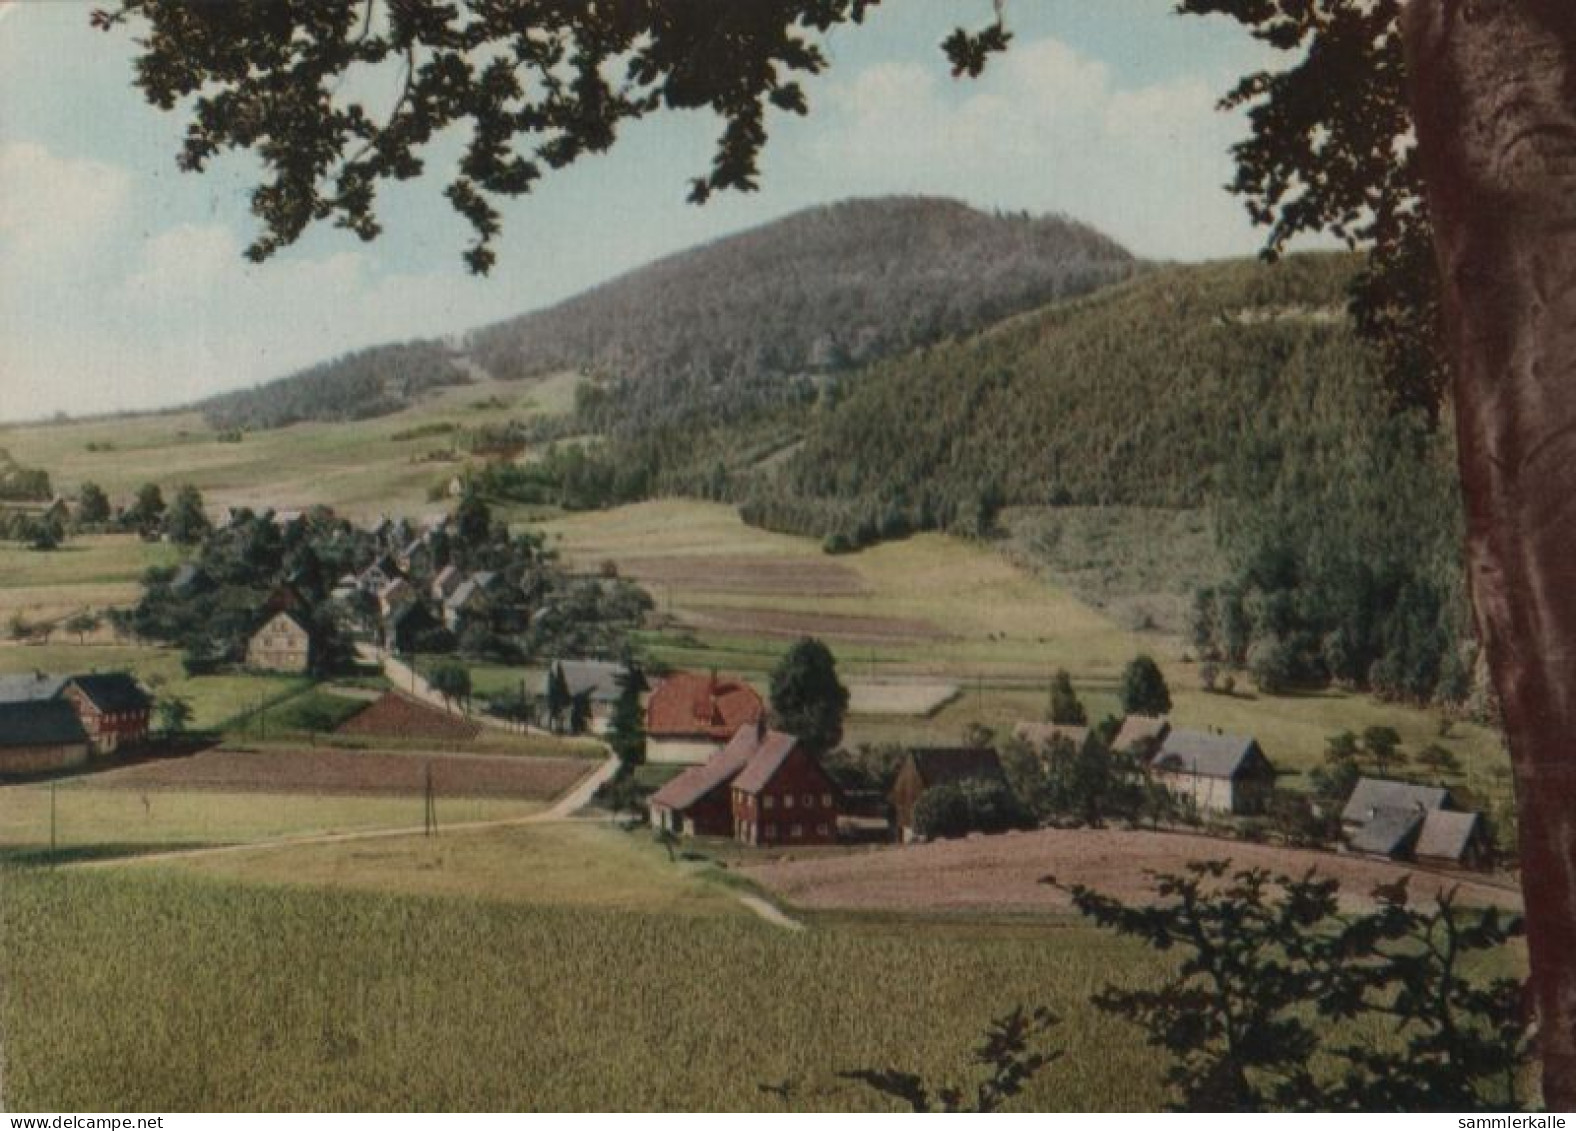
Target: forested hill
{"type": "Point", "coordinates": [1161, 392]}
{"type": "Point", "coordinates": [371, 382]}
{"type": "Point", "coordinates": [750, 320]}
{"type": "Point", "coordinates": [746, 322]}
{"type": "Point", "coordinates": [1238, 386]}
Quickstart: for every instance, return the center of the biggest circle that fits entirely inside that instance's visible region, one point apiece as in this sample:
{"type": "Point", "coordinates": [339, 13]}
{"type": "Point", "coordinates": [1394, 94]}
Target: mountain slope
{"type": "Point", "coordinates": [1239, 387]}
{"type": "Point", "coordinates": [359, 386]}
{"type": "Point", "coordinates": [734, 325]}
{"type": "Point", "coordinates": [1157, 393]}
{"type": "Point", "coordinates": [748, 320]}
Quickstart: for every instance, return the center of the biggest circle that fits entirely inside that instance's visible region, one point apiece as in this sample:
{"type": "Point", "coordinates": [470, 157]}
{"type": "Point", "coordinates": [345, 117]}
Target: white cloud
{"type": "Point", "coordinates": [1147, 164]}
{"type": "Point", "coordinates": [56, 208]}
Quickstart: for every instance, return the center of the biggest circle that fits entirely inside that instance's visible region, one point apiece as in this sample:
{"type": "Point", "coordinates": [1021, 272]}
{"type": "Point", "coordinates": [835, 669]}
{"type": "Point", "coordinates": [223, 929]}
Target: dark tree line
{"type": "Point", "coordinates": [358, 386]}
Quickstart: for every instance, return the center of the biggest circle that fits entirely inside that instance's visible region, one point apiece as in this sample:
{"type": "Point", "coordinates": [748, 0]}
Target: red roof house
{"type": "Point", "coordinates": [698, 802]}
{"type": "Point", "coordinates": [783, 795]}
{"type": "Point", "coordinates": [689, 717]}
{"type": "Point", "coordinates": [762, 788]}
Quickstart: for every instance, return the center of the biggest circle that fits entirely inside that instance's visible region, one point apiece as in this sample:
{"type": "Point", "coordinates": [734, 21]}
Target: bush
{"type": "Point", "coordinates": [970, 806]}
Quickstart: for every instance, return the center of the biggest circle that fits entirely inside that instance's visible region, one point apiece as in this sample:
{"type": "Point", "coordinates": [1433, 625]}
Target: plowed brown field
{"type": "Point", "coordinates": [342, 772]}
{"type": "Point", "coordinates": [1001, 873]}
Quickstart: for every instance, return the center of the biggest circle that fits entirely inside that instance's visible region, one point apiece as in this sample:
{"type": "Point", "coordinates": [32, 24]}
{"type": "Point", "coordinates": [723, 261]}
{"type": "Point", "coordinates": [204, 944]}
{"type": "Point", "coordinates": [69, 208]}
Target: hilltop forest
{"type": "Point", "coordinates": [368, 383]}
{"type": "Point", "coordinates": [746, 322]}
{"type": "Point", "coordinates": [754, 320]}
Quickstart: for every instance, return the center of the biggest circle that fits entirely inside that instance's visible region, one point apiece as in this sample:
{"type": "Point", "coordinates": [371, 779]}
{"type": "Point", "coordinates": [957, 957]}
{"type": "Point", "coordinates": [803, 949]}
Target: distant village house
{"type": "Point", "coordinates": [1400, 820]}
{"type": "Point", "coordinates": [282, 644]}
{"type": "Point", "coordinates": [763, 788]}
{"type": "Point", "coordinates": [114, 709]}
{"type": "Point", "coordinates": [1217, 773]}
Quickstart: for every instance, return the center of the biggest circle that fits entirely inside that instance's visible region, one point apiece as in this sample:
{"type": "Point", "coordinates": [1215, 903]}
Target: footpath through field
{"type": "Point", "coordinates": [772, 914]}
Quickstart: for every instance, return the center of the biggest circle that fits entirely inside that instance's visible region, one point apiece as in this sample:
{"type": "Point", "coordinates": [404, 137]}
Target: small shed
{"type": "Point", "coordinates": [41, 736]}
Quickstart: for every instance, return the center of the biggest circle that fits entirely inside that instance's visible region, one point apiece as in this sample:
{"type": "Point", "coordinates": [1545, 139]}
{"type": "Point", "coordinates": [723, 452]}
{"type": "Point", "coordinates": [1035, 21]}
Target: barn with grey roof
{"type": "Point", "coordinates": [41, 736]}
{"type": "Point", "coordinates": [1217, 773]}
{"type": "Point", "coordinates": [1404, 820]}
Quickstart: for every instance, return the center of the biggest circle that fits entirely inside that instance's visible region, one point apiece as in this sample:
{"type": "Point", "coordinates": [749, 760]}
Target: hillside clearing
{"type": "Point", "coordinates": [361, 468]}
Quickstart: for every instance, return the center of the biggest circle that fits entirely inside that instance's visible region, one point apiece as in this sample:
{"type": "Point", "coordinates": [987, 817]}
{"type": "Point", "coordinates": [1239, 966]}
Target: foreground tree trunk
{"type": "Point", "coordinates": [1494, 100]}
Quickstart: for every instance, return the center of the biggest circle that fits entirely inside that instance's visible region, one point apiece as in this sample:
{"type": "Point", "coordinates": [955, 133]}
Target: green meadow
{"type": "Point", "coordinates": [296, 998]}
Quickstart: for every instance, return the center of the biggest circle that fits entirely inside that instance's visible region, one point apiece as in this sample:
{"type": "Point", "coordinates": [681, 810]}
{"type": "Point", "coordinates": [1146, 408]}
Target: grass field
{"type": "Point", "coordinates": [378, 1001]}
{"type": "Point", "coordinates": [96, 572]}
{"type": "Point", "coordinates": [585, 865]}
{"type": "Point", "coordinates": [90, 821]}
{"type": "Point", "coordinates": [359, 468]}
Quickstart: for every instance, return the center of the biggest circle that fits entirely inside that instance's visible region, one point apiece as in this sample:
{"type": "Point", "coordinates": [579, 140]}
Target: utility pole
{"type": "Point", "coordinates": [52, 823]}
{"type": "Point", "coordinates": [430, 810]}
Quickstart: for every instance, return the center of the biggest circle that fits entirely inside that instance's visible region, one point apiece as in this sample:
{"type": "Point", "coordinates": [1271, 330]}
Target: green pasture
{"type": "Point", "coordinates": [80, 818]}
{"type": "Point", "coordinates": [95, 572]}
{"type": "Point", "coordinates": [565, 864]}
{"type": "Point", "coordinates": [299, 998]}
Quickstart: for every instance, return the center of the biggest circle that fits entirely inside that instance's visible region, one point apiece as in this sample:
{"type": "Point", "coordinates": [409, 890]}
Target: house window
{"type": "Point", "coordinates": [820, 830]}
{"type": "Point", "coordinates": [809, 801]}
{"type": "Point", "coordinates": [771, 832]}
{"type": "Point", "coordinates": [796, 831]}
{"type": "Point", "coordinates": [768, 801]}
{"type": "Point", "coordinates": [788, 801]}
{"type": "Point", "coordinates": [826, 800]}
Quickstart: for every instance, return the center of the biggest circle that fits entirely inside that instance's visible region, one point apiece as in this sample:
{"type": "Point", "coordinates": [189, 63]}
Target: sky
{"type": "Point", "coordinates": [122, 284]}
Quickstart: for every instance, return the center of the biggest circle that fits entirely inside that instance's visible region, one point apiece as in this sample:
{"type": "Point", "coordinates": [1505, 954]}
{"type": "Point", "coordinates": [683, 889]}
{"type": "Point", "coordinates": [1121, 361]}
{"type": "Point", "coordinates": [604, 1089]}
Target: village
{"type": "Point", "coordinates": [700, 756]}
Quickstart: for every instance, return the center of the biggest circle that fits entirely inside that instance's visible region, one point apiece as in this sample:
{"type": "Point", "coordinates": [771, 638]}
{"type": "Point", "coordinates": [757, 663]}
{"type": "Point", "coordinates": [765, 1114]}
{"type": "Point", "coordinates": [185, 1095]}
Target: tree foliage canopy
{"type": "Point", "coordinates": [1258, 1013]}
{"type": "Point", "coordinates": [808, 700]}
{"type": "Point", "coordinates": [537, 83]}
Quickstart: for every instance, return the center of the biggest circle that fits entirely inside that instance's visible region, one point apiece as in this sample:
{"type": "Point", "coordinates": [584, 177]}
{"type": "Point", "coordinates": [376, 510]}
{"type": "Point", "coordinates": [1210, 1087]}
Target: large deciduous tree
{"type": "Point", "coordinates": [1493, 91]}
{"type": "Point", "coordinates": [1438, 134]}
